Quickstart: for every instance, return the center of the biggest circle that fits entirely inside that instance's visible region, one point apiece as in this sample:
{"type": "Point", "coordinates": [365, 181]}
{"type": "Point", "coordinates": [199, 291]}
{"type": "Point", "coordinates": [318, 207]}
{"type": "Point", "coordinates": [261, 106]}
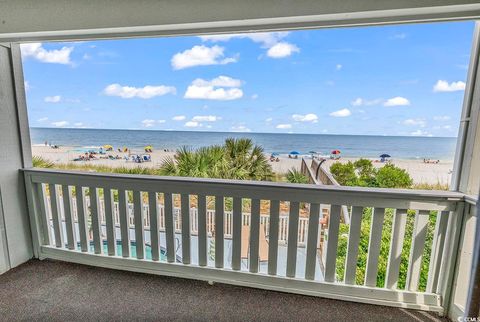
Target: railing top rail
{"type": "Point", "coordinates": [245, 189]}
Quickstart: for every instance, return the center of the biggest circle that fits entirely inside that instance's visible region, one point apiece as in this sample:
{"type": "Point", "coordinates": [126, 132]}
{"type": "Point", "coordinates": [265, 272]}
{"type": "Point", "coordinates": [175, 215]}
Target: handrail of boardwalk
{"type": "Point", "coordinates": [318, 175]}
{"type": "Point", "coordinates": [90, 239]}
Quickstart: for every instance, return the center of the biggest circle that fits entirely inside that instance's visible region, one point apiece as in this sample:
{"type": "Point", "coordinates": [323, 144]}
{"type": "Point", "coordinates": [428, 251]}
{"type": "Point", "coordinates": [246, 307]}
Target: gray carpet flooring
{"type": "Point", "coordinates": [58, 291]}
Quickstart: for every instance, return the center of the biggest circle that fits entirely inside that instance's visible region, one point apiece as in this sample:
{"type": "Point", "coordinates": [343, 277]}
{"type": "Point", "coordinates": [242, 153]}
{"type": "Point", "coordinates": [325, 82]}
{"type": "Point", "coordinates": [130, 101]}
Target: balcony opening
{"type": "Point", "coordinates": [315, 132]}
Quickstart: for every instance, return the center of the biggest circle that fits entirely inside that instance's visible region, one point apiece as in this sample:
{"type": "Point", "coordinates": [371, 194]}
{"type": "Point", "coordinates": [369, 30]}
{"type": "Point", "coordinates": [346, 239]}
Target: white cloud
{"type": "Point", "coordinates": [444, 86]}
{"type": "Point", "coordinates": [220, 81]}
{"type": "Point", "coordinates": [240, 128]}
{"type": "Point", "coordinates": [206, 118]}
{"type": "Point", "coordinates": [151, 123]}
{"type": "Point", "coordinates": [52, 99]}
{"type": "Point", "coordinates": [60, 123]}
{"type": "Point", "coordinates": [222, 88]}
{"type": "Point", "coordinates": [284, 126]}
{"type": "Point", "coordinates": [192, 124]}
{"type": "Point", "coordinates": [414, 122]}
{"type": "Point", "coordinates": [79, 125]}
{"type": "Point", "coordinates": [305, 118]}
{"type": "Point", "coordinates": [254, 96]}
{"type": "Point", "coordinates": [54, 56]}
{"type": "Point", "coordinates": [441, 118]}
{"type": "Point", "coordinates": [140, 92]}
{"type": "Point", "coordinates": [42, 119]}
{"type": "Point", "coordinates": [179, 118]}
{"type": "Point", "coordinates": [338, 66]}
{"type": "Point", "coordinates": [344, 112]}
{"type": "Point", "coordinates": [397, 101]}
{"type": "Point", "coordinates": [271, 40]}
{"type": "Point", "coordinates": [399, 36]}
{"type": "Point", "coordinates": [148, 123]}
{"type": "Point", "coordinates": [201, 56]}
{"type": "Point", "coordinates": [268, 120]}
{"type": "Point", "coordinates": [363, 102]}
{"type": "Point", "coordinates": [420, 133]}
{"type": "Point", "coordinates": [267, 39]}
{"type": "Point", "coordinates": [26, 85]}
{"type": "Point", "coordinates": [282, 49]}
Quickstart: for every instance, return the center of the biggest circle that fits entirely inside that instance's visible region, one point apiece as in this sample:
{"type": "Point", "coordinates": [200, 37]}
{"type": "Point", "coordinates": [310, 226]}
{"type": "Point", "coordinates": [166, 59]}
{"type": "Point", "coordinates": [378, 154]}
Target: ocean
{"type": "Point", "coordinates": [400, 147]}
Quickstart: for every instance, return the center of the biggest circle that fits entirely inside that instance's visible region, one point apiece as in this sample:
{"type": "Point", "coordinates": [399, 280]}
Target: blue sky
{"type": "Point", "coordinates": [389, 80]}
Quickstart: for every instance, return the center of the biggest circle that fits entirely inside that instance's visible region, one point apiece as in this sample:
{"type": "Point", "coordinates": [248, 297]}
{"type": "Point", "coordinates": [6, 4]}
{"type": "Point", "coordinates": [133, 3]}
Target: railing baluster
{"type": "Point", "coordinates": [416, 251]}
{"type": "Point", "coordinates": [154, 236]}
{"type": "Point", "coordinates": [41, 193]}
{"type": "Point", "coordinates": [292, 239]}
{"type": "Point", "coordinates": [169, 229]}
{"type": "Point", "coordinates": [374, 246]}
{"type": "Point", "coordinates": [139, 228]}
{"type": "Point", "coordinates": [202, 230]}
{"type": "Point", "coordinates": [67, 210]}
{"type": "Point", "coordinates": [332, 243]}
{"type": "Point", "coordinates": [396, 246]}
{"type": "Point", "coordinates": [109, 222]}
{"type": "Point", "coordinates": [312, 235]}
{"type": "Point", "coordinates": [57, 223]}
{"type": "Point", "coordinates": [185, 208]}
{"type": "Point", "coordinates": [237, 233]}
{"type": "Point", "coordinates": [124, 222]}
{"type": "Point", "coordinates": [352, 248]}
{"type": "Point", "coordinates": [437, 249]}
{"type": "Point", "coordinates": [273, 237]}
{"type": "Point", "coordinates": [254, 235]}
{"type": "Point", "coordinates": [219, 210]}
{"type": "Point", "coordinates": [82, 222]}
{"type": "Point", "coordinates": [97, 240]}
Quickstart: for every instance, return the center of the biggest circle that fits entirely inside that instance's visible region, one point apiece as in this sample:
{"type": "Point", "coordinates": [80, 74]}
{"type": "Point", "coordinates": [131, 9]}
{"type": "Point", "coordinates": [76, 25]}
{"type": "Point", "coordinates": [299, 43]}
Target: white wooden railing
{"type": "Point", "coordinates": [78, 231]}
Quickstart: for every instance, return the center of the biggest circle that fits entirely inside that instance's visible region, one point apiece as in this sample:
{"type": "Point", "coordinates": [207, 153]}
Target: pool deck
{"type": "Point", "coordinates": [58, 291]}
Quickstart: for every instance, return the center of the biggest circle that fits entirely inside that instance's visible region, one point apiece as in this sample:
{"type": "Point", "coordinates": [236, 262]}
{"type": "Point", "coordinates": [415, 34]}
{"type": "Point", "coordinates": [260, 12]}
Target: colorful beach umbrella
{"type": "Point", "coordinates": [294, 152]}
{"type": "Point", "coordinates": [108, 147]}
{"type": "Point", "coordinates": [385, 156]}
{"type": "Point", "coordinates": [335, 152]}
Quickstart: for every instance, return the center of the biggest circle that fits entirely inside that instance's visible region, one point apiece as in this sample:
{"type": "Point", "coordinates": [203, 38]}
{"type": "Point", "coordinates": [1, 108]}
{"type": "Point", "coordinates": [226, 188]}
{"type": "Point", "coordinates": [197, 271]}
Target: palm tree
{"type": "Point", "coordinates": [295, 176]}
{"type": "Point", "coordinates": [39, 162]}
{"type": "Point", "coordinates": [236, 159]}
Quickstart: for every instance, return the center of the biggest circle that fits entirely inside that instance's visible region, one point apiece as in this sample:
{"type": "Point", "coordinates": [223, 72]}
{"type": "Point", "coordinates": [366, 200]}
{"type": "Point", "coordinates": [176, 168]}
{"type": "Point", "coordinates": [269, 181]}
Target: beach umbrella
{"type": "Point", "coordinates": [294, 153]}
{"type": "Point", "coordinates": [148, 148]}
{"type": "Point", "coordinates": [108, 147]}
{"type": "Point", "coordinates": [335, 152]}
{"type": "Point", "coordinates": [385, 156]}
{"type": "Point", "coordinates": [312, 152]}
{"type": "Point", "coordinates": [274, 154]}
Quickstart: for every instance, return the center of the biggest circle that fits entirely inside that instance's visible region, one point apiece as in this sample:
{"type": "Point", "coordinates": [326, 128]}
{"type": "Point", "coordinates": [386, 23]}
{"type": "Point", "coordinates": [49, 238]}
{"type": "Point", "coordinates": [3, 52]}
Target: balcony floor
{"type": "Point", "coordinates": [40, 290]}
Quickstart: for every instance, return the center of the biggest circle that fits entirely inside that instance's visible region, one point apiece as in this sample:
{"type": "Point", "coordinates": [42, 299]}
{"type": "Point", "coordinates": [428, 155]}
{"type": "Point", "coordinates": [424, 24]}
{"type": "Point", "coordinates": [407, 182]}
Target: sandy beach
{"type": "Point", "coordinates": [421, 172]}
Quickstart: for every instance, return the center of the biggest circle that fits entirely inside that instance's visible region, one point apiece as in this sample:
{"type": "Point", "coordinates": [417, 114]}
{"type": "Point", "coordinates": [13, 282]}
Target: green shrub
{"type": "Point", "coordinates": [390, 176]}
{"type": "Point", "coordinates": [385, 249]}
{"type": "Point", "coordinates": [344, 173]}
{"type": "Point", "coordinates": [362, 173]}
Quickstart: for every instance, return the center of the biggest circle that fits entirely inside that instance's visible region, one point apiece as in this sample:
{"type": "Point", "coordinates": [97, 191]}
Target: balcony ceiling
{"type": "Point", "coordinates": [31, 20]}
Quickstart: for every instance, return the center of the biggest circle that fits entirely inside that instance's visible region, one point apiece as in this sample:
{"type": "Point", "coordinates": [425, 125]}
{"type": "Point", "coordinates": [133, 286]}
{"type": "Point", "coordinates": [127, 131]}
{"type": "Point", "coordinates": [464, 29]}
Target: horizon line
{"type": "Point", "coordinates": [251, 132]}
